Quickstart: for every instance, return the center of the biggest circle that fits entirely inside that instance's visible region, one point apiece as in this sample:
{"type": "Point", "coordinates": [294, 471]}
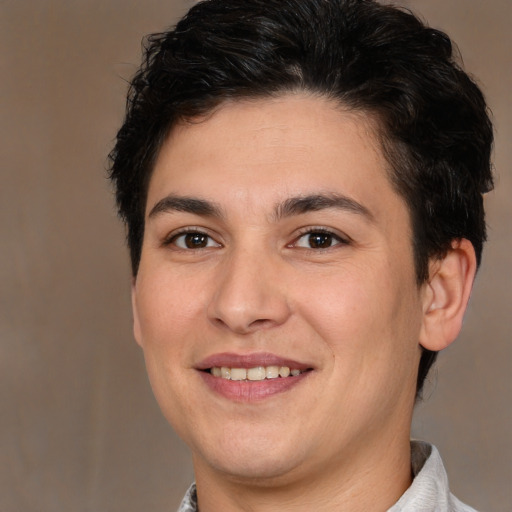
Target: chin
{"type": "Point", "coordinates": [246, 458]}
{"type": "Point", "coordinates": [261, 471]}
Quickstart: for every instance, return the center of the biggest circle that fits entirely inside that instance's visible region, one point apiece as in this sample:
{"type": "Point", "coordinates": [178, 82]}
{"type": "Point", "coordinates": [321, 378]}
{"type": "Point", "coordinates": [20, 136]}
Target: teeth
{"type": "Point", "coordinates": [238, 373]}
{"type": "Point", "coordinates": [258, 373]}
{"type": "Point", "coordinates": [253, 374]}
{"type": "Point", "coordinates": [272, 372]}
{"type": "Point", "coordinates": [284, 371]}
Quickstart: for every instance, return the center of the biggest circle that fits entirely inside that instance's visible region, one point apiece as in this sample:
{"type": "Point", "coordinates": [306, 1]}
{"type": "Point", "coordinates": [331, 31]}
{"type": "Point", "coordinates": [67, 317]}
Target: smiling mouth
{"type": "Point", "coordinates": [257, 373]}
{"type": "Point", "coordinates": [251, 378]}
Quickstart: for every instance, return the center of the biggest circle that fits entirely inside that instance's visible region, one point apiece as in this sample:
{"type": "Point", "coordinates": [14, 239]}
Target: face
{"type": "Point", "coordinates": [276, 300]}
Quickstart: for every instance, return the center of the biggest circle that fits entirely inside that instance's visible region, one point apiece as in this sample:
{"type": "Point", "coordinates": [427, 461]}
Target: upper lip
{"type": "Point", "coordinates": [231, 360]}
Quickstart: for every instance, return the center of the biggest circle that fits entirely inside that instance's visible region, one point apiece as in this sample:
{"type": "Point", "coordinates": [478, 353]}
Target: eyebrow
{"type": "Point", "coordinates": [292, 206]}
{"type": "Point", "coordinates": [312, 203]}
{"type": "Point", "coordinates": [174, 203]}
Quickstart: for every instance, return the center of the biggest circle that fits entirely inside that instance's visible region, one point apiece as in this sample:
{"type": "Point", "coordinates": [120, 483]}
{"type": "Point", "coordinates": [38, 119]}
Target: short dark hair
{"type": "Point", "coordinates": [380, 60]}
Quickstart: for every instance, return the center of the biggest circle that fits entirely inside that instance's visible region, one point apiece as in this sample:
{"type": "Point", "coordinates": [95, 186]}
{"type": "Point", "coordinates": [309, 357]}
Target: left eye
{"type": "Point", "coordinates": [194, 240]}
{"type": "Point", "coordinates": [318, 240]}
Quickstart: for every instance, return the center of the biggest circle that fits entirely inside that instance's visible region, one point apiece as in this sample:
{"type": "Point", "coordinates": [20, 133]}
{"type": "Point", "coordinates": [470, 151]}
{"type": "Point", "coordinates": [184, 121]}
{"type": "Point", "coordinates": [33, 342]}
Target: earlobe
{"type": "Point", "coordinates": [446, 295]}
{"type": "Point", "coordinates": [136, 323]}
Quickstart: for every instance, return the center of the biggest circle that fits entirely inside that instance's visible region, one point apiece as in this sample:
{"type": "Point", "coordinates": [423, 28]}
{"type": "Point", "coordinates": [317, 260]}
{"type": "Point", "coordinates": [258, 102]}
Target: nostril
{"type": "Point", "coordinates": [260, 322]}
{"type": "Point", "coordinates": [244, 327]}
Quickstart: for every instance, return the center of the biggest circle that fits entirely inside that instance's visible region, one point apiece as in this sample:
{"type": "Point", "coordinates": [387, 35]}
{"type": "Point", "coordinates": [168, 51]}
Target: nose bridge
{"type": "Point", "coordinates": [248, 293]}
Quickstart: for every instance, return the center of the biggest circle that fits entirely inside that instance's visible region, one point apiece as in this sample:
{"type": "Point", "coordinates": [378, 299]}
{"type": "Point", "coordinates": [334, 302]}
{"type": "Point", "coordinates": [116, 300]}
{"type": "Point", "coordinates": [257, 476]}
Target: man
{"type": "Point", "coordinates": [302, 184]}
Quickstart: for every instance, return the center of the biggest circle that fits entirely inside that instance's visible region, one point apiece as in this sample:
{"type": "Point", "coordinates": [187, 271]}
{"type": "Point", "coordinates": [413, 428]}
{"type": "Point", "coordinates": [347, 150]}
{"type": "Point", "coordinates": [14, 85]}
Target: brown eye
{"type": "Point", "coordinates": [318, 240]}
{"type": "Point", "coordinates": [194, 240]}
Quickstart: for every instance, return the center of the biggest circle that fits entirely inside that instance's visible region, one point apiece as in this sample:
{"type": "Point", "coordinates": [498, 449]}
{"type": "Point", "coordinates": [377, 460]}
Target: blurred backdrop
{"type": "Point", "coordinates": [79, 427]}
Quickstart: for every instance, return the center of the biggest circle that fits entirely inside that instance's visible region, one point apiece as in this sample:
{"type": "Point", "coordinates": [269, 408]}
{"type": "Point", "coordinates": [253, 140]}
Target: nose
{"type": "Point", "coordinates": [249, 294]}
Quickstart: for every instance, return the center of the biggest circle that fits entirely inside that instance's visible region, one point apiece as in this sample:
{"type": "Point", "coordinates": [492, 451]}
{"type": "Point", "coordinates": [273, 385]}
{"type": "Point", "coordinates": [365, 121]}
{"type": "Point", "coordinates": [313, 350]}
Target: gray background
{"type": "Point", "coordinates": [79, 427]}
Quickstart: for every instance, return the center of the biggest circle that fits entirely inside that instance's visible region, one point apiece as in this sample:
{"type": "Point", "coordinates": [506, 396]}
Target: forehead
{"type": "Point", "coordinates": [270, 149]}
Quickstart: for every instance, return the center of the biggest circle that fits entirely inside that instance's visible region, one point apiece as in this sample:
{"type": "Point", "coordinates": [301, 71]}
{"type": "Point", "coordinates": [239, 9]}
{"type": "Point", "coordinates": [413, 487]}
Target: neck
{"type": "Point", "coordinates": [371, 478]}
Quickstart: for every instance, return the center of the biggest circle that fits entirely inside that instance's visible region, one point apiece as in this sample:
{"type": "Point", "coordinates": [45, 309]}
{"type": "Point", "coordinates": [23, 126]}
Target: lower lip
{"type": "Point", "coordinates": [251, 391]}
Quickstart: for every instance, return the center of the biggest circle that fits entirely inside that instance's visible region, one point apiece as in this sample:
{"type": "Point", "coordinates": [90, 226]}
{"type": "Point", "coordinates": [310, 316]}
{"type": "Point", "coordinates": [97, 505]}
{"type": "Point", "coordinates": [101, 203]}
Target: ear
{"type": "Point", "coordinates": [446, 295]}
{"type": "Point", "coordinates": [135, 312]}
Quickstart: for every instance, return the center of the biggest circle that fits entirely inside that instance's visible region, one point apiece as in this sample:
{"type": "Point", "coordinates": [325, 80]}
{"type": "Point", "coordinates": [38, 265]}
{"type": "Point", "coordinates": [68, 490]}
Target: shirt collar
{"type": "Point", "coordinates": [189, 502]}
{"type": "Point", "coordinates": [429, 491]}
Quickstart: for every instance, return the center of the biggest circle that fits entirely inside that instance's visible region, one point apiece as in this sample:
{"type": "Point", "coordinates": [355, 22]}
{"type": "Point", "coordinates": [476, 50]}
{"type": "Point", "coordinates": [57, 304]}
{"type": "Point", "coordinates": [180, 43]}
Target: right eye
{"type": "Point", "coordinates": [193, 240]}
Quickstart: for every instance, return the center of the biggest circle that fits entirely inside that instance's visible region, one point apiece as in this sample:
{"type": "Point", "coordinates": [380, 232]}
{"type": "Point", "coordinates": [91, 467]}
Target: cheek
{"type": "Point", "coordinates": [362, 310]}
{"type": "Point", "coordinates": [166, 306]}
{"type": "Point", "coordinates": [166, 314]}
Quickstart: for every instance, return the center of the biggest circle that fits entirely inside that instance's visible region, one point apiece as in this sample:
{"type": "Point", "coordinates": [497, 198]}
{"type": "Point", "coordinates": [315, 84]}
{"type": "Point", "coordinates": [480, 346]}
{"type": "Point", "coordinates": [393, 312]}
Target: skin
{"type": "Point", "coordinates": [350, 310]}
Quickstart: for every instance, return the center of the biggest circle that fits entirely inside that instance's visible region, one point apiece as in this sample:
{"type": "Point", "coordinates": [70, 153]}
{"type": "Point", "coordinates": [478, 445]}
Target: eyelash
{"type": "Point", "coordinates": [339, 240]}
{"type": "Point", "coordinates": [171, 239]}
{"type": "Point", "coordinates": [320, 231]}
